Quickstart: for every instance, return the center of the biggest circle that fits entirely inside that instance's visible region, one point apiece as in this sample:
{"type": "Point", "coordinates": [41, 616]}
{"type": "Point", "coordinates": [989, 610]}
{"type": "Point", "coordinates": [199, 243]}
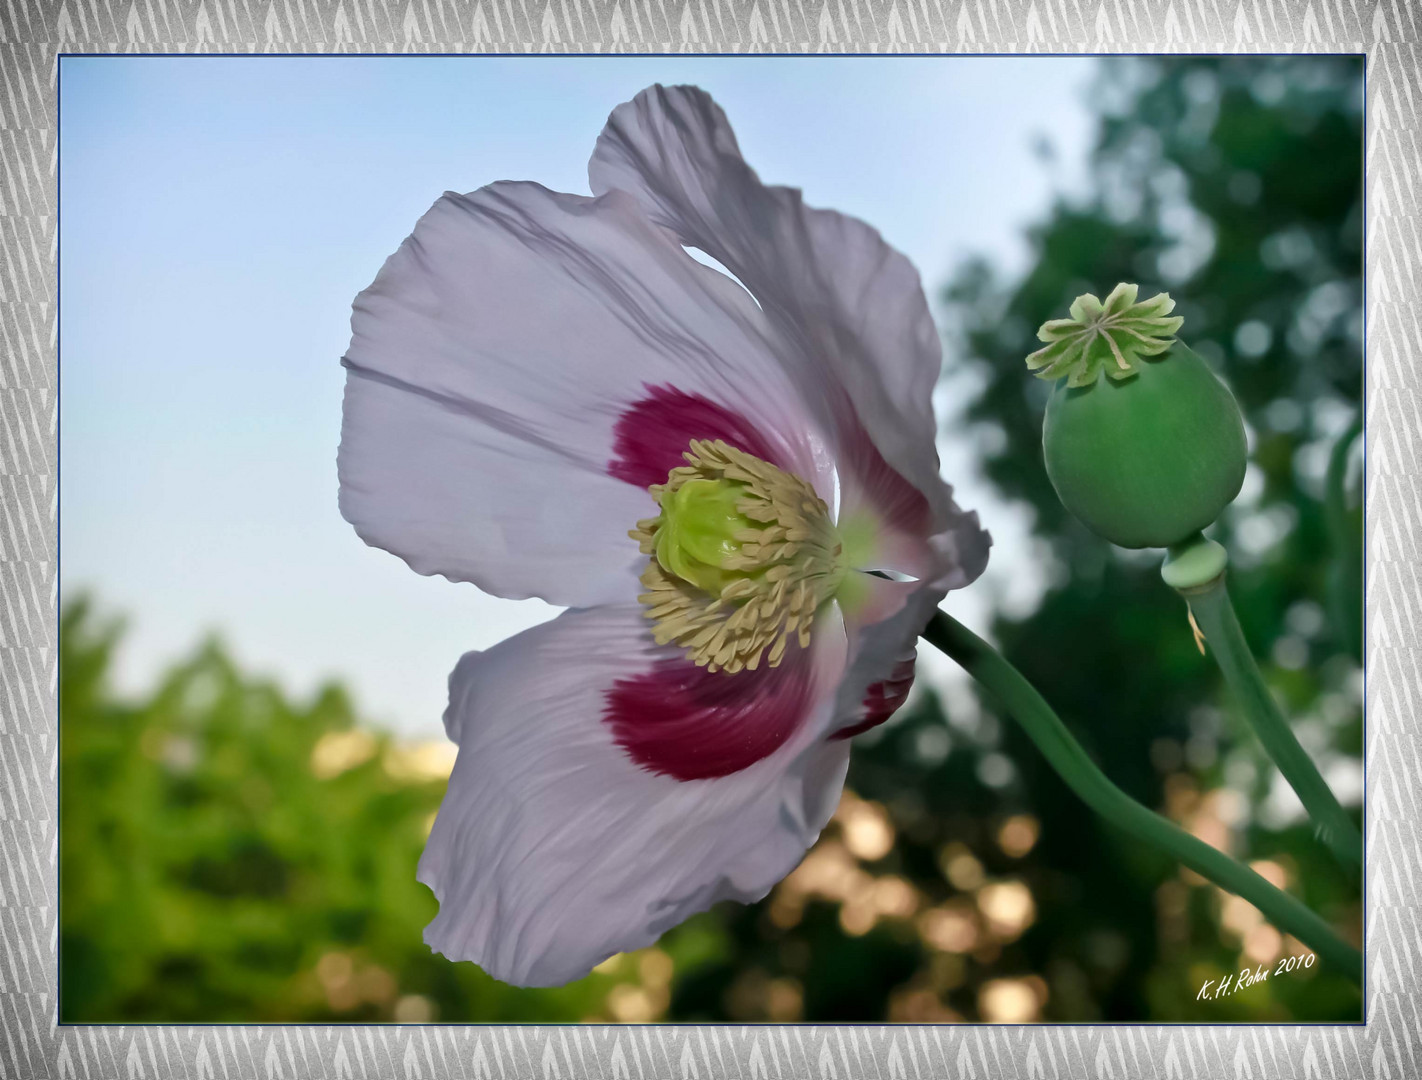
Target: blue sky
{"type": "Point", "coordinates": [218, 215]}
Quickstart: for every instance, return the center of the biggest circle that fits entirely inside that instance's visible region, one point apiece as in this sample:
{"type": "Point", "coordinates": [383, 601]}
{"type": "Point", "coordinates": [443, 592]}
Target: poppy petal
{"type": "Point", "coordinates": [557, 847]}
{"type": "Point", "coordinates": [866, 352]}
{"type": "Point", "coordinates": [880, 672]}
{"type": "Point", "coordinates": [491, 364]}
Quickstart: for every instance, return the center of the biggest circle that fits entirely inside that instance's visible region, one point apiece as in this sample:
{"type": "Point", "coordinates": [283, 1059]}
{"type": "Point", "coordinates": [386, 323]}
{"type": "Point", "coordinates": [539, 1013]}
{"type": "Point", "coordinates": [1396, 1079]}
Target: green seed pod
{"type": "Point", "coordinates": [1150, 455]}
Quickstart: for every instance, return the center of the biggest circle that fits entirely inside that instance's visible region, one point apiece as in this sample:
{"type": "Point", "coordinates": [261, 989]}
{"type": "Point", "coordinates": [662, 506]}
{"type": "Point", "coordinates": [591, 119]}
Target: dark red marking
{"type": "Point", "coordinates": [902, 505]}
{"type": "Point", "coordinates": [882, 700]}
{"type": "Point", "coordinates": [652, 434]}
{"type": "Point", "coordinates": [690, 724]}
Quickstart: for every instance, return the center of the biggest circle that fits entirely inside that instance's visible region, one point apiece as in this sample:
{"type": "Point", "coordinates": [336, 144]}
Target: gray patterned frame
{"type": "Point", "coordinates": [33, 34]}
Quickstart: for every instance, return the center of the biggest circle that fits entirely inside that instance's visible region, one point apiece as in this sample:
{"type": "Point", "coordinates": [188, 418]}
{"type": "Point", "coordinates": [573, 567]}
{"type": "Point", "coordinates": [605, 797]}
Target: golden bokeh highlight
{"type": "Point", "coordinates": [1215, 817]}
{"type": "Point", "coordinates": [865, 826]}
{"type": "Point", "coordinates": [642, 992]}
{"type": "Point", "coordinates": [755, 996]}
{"type": "Point", "coordinates": [784, 1001]}
{"type": "Point", "coordinates": [1012, 1001]}
{"type": "Point", "coordinates": [422, 762]}
{"type": "Point", "coordinates": [1260, 943]}
{"type": "Point", "coordinates": [1008, 909]}
{"type": "Point", "coordinates": [340, 751]}
{"type": "Point", "coordinates": [961, 867]}
{"type": "Point", "coordinates": [958, 932]}
{"type": "Point", "coordinates": [415, 1009]}
{"type": "Point", "coordinates": [951, 927]}
{"type": "Point", "coordinates": [1018, 835]}
{"type": "Point", "coordinates": [631, 1004]}
{"type": "Point", "coordinates": [348, 983]}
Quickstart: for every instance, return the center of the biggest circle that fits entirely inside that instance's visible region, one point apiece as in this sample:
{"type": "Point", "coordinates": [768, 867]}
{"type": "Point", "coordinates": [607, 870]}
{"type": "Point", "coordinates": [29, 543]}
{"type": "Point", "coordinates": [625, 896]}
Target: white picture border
{"type": "Point", "coordinates": [32, 37]}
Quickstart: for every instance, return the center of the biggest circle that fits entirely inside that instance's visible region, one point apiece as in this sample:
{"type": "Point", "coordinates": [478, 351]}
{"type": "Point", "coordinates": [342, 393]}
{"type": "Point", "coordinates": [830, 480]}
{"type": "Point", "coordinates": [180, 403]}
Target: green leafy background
{"type": "Point", "coordinates": [228, 853]}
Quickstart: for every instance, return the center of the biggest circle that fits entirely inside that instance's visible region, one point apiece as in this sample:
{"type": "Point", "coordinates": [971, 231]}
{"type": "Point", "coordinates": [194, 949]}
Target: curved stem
{"type": "Point", "coordinates": [1213, 611]}
{"type": "Point", "coordinates": [1083, 776]}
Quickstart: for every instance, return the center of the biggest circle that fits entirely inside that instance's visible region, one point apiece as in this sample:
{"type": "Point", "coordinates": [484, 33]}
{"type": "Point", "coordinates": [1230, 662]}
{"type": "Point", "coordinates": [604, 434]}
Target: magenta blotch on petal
{"type": "Point", "coordinates": [690, 724]}
{"type": "Point", "coordinates": [654, 432]}
{"type": "Point", "coordinates": [882, 699]}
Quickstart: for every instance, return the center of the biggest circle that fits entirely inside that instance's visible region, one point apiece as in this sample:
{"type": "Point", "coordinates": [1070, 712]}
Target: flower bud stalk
{"type": "Point", "coordinates": [1025, 705]}
{"type": "Point", "coordinates": [1210, 605]}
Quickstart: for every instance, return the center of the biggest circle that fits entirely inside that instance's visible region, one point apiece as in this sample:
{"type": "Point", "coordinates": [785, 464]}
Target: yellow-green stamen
{"type": "Point", "coordinates": [743, 556]}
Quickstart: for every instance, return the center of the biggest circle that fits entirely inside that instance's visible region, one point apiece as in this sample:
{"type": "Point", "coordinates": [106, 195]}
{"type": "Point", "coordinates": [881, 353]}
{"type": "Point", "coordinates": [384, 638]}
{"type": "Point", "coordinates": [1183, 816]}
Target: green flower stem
{"type": "Point", "coordinates": [1215, 615]}
{"type": "Point", "coordinates": [1082, 775]}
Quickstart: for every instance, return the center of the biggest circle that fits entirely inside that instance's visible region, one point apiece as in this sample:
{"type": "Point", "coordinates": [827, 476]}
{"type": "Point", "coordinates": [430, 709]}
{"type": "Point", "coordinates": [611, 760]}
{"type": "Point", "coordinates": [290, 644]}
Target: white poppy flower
{"type": "Point", "coordinates": [547, 396]}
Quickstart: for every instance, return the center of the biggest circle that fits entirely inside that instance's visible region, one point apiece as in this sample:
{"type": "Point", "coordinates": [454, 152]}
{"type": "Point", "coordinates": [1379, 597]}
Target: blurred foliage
{"type": "Point", "coordinates": [961, 879]}
{"type": "Point", "coordinates": [227, 854]}
{"type": "Point", "coordinates": [1236, 185]}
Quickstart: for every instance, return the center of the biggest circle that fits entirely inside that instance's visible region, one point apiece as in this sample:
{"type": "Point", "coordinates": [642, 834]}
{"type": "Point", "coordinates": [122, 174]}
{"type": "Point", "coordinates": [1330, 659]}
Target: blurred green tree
{"type": "Point", "coordinates": [227, 854]}
{"type": "Point", "coordinates": [1235, 184]}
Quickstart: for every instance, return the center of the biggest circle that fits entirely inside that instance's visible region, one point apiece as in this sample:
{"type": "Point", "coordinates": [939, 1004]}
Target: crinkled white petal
{"type": "Point", "coordinates": [876, 647]}
{"type": "Point", "coordinates": [490, 362]}
{"type": "Point", "coordinates": [867, 353]}
{"type": "Point", "coordinates": [553, 850]}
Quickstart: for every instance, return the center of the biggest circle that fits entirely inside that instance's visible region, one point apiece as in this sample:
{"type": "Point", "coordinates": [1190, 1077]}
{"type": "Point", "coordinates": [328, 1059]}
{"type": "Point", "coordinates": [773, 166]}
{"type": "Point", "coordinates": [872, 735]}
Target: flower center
{"type": "Point", "coordinates": [743, 556]}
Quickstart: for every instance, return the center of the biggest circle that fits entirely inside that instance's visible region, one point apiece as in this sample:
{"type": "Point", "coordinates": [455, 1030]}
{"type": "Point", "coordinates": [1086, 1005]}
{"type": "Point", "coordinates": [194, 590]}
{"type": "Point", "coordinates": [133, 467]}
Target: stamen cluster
{"type": "Point", "coordinates": [784, 566]}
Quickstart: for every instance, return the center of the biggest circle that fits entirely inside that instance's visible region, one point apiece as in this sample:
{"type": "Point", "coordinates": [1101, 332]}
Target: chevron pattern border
{"type": "Point", "coordinates": [31, 37]}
